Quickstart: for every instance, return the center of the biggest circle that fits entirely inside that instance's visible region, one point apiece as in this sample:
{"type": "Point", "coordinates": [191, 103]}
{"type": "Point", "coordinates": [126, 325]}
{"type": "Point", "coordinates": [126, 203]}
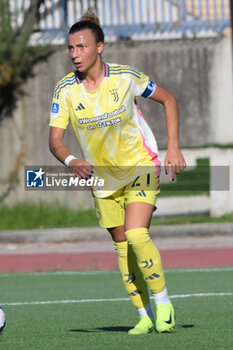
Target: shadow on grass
{"type": "Point", "coordinates": [119, 329]}
{"type": "Point", "coordinates": [102, 329]}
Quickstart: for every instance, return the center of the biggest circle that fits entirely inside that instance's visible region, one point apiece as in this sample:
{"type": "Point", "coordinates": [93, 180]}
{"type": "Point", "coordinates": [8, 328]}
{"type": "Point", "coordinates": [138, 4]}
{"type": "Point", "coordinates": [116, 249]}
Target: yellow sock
{"type": "Point", "coordinates": [148, 258]}
{"type": "Point", "coordinates": [131, 275]}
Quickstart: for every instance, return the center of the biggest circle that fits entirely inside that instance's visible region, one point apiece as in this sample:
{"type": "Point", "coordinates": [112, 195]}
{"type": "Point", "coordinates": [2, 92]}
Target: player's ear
{"type": "Point", "coordinates": [100, 47]}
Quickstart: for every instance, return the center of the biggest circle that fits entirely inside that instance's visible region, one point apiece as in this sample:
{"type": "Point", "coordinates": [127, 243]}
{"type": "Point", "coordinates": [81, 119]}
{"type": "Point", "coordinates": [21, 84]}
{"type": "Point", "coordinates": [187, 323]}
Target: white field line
{"type": "Point", "coordinates": [178, 296]}
{"type": "Point", "coordinates": [201, 269]}
{"type": "Point", "coordinates": [106, 272]}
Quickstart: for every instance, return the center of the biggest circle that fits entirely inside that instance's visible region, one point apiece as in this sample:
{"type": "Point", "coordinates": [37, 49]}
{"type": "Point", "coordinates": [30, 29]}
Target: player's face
{"type": "Point", "coordinates": [83, 49]}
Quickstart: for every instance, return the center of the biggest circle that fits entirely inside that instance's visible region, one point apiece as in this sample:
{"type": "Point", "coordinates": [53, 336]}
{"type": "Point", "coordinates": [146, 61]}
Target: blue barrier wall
{"type": "Point", "coordinates": [135, 19]}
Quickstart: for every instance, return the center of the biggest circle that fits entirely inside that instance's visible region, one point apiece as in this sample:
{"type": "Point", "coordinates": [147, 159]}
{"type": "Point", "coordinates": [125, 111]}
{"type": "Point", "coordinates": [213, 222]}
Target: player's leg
{"type": "Point", "coordinates": [131, 274]}
{"type": "Point", "coordinates": [137, 220]}
{"type": "Point", "coordinates": [133, 280]}
{"type": "Point", "coordinates": [111, 212]}
{"type": "Point", "coordinates": [136, 230]}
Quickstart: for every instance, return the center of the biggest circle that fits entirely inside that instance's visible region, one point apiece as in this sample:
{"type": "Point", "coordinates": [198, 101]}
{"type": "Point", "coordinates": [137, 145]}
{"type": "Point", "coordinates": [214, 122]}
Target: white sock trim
{"type": "Point", "coordinates": [162, 297]}
{"type": "Point", "coordinates": [145, 311]}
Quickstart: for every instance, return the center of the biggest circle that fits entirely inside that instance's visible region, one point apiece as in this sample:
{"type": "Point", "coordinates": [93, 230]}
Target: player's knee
{"type": "Point", "coordinates": [138, 235]}
{"type": "Point", "coordinates": [117, 233]}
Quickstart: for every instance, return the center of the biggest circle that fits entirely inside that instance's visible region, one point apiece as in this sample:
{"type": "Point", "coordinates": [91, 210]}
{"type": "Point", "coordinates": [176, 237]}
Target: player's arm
{"type": "Point", "coordinates": [80, 168]}
{"type": "Point", "coordinates": [174, 156]}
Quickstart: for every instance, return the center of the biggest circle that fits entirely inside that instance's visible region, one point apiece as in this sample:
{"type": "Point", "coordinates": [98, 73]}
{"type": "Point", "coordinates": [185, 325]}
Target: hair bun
{"type": "Point", "coordinates": [90, 16]}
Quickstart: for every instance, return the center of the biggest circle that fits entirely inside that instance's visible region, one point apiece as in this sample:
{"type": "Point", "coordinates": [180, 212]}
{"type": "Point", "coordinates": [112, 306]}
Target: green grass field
{"type": "Point", "coordinates": [90, 310]}
{"type": "Point", "coordinates": [27, 216]}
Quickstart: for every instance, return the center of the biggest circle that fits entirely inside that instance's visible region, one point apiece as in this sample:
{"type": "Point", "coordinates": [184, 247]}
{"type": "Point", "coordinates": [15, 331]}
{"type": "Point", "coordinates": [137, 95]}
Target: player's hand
{"type": "Point", "coordinates": [175, 159]}
{"type": "Point", "coordinates": [80, 168]}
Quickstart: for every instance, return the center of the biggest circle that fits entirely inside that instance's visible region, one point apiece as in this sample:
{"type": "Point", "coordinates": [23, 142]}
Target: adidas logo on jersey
{"type": "Point", "coordinates": [141, 194]}
{"type": "Point", "coordinates": [80, 107]}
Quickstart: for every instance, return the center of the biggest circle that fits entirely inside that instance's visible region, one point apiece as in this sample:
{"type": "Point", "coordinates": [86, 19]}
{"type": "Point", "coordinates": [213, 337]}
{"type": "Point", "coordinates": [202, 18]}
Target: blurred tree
{"type": "Point", "coordinates": [16, 61]}
{"type": "Point", "coordinates": [16, 56]}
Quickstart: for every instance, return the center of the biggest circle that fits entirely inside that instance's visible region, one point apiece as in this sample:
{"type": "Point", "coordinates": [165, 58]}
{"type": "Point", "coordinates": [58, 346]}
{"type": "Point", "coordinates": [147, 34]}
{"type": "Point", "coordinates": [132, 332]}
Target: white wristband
{"type": "Point", "coordinates": [68, 159]}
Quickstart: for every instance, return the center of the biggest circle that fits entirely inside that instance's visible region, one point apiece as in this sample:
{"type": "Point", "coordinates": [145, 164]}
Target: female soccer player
{"type": "Point", "coordinates": [117, 143]}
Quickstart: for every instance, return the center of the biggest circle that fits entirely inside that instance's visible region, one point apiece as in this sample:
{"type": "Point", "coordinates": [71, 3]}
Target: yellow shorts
{"type": "Point", "coordinates": [110, 211]}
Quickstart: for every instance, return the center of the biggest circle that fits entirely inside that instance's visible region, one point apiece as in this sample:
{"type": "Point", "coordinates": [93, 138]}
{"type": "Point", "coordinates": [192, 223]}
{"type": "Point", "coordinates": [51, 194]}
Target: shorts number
{"type": "Point", "coordinates": [136, 183]}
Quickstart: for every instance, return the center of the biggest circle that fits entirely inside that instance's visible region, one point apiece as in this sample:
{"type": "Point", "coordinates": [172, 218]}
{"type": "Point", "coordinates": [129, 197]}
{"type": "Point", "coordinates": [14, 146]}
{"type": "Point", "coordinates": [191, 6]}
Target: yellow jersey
{"type": "Point", "coordinates": [113, 134]}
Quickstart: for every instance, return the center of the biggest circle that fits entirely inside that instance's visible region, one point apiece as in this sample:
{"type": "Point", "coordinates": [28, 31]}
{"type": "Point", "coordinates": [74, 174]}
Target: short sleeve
{"type": "Point", "coordinates": [59, 116]}
{"type": "Point", "coordinates": [138, 80]}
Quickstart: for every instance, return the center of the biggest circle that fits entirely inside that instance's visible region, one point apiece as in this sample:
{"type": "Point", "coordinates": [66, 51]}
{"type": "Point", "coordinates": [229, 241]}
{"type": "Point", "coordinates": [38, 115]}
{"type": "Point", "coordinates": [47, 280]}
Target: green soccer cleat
{"type": "Point", "coordinates": [165, 318]}
{"type": "Point", "coordinates": [144, 326]}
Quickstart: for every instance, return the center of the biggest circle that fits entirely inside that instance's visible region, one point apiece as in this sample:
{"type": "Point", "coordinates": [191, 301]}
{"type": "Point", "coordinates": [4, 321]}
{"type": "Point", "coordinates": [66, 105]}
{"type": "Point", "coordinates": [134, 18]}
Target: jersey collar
{"type": "Point", "coordinates": [106, 73]}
